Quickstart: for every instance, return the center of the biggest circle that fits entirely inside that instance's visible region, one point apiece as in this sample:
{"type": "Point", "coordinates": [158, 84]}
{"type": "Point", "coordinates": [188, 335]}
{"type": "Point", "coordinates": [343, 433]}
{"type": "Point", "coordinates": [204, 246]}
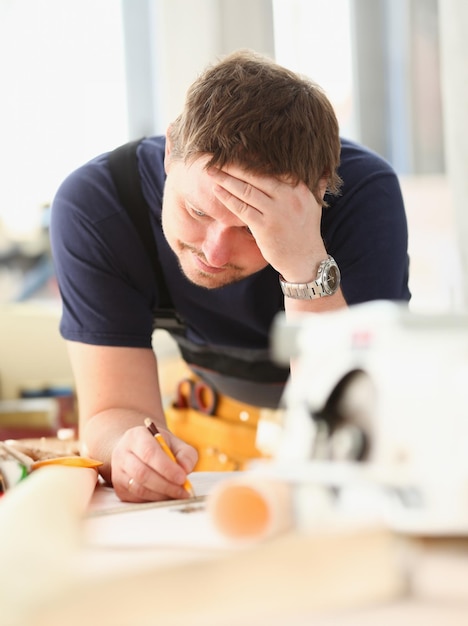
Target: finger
{"type": "Point", "coordinates": [160, 455]}
{"type": "Point", "coordinates": [153, 475]}
{"type": "Point", "coordinates": [161, 471]}
{"type": "Point", "coordinates": [127, 490]}
{"type": "Point", "coordinates": [141, 492]}
{"type": "Point", "coordinates": [243, 210]}
{"type": "Point", "coordinates": [239, 197]}
{"type": "Point", "coordinates": [139, 483]}
{"type": "Point", "coordinates": [133, 491]}
{"type": "Point", "coordinates": [233, 177]}
{"type": "Point", "coordinates": [186, 455]}
{"type": "Point", "coordinates": [245, 195]}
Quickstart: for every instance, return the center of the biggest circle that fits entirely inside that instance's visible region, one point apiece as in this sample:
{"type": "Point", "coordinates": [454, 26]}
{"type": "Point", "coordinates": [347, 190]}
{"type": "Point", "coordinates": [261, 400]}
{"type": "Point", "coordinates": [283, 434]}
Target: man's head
{"type": "Point", "coordinates": [258, 121]}
{"type": "Point", "coordinates": [249, 111]}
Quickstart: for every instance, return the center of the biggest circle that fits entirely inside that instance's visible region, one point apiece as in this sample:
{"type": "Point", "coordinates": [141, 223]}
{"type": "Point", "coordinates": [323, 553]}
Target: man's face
{"type": "Point", "coordinates": [213, 246]}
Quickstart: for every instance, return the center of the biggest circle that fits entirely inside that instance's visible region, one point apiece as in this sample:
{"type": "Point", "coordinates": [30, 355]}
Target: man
{"type": "Point", "coordinates": [251, 216]}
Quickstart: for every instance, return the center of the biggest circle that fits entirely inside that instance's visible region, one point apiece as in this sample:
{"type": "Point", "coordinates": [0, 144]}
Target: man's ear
{"type": "Point", "coordinates": [167, 152]}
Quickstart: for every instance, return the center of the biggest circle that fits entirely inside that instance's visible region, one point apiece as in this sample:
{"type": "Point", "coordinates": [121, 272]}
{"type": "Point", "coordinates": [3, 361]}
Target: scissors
{"type": "Point", "coordinates": [196, 394]}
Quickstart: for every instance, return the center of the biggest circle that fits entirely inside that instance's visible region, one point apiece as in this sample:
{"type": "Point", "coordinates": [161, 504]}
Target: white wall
{"type": "Point", "coordinates": [454, 52]}
{"type": "Point", "coordinates": [32, 352]}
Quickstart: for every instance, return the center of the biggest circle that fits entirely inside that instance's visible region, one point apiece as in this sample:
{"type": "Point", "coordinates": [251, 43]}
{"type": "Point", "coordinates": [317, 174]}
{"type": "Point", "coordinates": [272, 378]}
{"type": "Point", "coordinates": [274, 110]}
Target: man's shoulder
{"type": "Point", "coordinates": [89, 189]}
{"type": "Point", "coordinates": [155, 144]}
{"type": "Point", "coordinates": [360, 158]}
{"type": "Point", "coordinates": [364, 170]}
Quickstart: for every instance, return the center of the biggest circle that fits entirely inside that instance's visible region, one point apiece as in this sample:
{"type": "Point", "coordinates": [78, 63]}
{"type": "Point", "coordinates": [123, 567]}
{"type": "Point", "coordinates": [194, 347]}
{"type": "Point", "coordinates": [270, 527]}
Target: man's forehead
{"type": "Point", "coordinates": [204, 200]}
{"type": "Point", "coordinates": [197, 184]}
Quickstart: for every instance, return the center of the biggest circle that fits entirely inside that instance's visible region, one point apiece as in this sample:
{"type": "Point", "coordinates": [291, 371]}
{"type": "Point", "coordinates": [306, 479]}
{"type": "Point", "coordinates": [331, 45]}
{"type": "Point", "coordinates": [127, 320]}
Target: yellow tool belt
{"type": "Point", "coordinates": [223, 430]}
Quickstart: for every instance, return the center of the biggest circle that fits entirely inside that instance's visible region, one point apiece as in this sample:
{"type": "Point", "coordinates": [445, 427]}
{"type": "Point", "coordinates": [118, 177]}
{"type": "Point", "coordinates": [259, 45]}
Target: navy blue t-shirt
{"type": "Point", "coordinates": [108, 288]}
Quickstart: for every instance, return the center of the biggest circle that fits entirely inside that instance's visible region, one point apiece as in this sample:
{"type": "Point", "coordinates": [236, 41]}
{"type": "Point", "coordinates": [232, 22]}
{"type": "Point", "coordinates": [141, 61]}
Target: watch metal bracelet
{"type": "Point", "coordinates": [326, 283]}
{"type": "Point", "coordinates": [303, 291]}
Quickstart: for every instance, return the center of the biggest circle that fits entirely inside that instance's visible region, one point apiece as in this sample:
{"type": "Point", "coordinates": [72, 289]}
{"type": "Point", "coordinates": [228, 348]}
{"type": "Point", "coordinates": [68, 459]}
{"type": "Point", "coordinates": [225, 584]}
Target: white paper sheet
{"type": "Point", "coordinates": [181, 523]}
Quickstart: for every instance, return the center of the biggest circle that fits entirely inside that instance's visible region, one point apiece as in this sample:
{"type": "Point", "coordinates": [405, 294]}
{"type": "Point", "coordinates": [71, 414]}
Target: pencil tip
{"type": "Point", "coordinates": [150, 426]}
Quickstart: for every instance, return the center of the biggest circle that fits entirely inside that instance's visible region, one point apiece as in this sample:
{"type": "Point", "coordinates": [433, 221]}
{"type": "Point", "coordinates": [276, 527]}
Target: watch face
{"type": "Point", "coordinates": [331, 279]}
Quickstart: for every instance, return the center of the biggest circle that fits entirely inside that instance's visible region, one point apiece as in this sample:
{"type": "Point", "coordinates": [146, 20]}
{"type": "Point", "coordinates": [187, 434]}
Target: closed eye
{"type": "Point", "coordinates": [193, 211]}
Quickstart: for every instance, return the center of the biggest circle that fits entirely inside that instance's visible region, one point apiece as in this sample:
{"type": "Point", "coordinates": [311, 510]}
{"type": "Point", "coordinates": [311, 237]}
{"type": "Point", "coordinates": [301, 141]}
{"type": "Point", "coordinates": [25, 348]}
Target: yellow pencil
{"type": "Point", "coordinates": [160, 439]}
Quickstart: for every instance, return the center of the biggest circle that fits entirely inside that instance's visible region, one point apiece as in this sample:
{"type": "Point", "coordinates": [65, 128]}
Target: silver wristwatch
{"type": "Point", "coordinates": [326, 283]}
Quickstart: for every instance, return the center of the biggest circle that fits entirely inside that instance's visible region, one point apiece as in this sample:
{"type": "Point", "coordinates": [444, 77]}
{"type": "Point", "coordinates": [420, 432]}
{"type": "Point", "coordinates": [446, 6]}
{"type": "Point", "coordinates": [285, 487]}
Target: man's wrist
{"type": "Point", "coordinates": [326, 282]}
{"type": "Point", "coordinates": [304, 270]}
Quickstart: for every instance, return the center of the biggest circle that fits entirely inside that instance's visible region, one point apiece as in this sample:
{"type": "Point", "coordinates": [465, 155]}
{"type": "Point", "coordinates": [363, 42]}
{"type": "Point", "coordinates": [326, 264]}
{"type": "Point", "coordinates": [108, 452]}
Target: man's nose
{"type": "Point", "coordinates": [217, 246]}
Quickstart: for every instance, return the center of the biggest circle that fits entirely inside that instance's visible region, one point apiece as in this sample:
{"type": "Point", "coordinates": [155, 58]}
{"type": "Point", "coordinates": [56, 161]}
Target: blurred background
{"type": "Point", "coordinates": [80, 77]}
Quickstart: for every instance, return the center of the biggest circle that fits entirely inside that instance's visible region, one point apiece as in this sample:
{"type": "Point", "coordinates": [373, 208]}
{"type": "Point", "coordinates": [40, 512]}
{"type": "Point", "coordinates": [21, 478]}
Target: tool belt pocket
{"type": "Point", "coordinates": [222, 430]}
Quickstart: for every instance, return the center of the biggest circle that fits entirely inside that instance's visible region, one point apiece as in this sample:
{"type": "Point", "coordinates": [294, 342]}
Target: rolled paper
{"type": "Point", "coordinates": [247, 508]}
{"type": "Point", "coordinates": [40, 526]}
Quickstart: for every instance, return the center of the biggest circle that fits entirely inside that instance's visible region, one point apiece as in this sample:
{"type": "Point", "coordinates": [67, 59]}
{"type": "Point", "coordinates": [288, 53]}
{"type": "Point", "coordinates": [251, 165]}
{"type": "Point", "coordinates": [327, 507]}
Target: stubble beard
{"type": "Point", "coordinates": [231, 274]}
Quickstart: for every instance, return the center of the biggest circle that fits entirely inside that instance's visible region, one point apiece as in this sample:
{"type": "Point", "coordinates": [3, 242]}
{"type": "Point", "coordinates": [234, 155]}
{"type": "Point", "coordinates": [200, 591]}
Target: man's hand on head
{"type": "Point", "coordinates": [284, 218]}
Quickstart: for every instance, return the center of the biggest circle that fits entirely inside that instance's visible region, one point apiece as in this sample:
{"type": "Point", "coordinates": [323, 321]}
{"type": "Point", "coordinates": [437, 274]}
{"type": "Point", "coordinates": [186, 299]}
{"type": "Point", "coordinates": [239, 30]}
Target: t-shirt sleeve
{"type": "Point", "coordinates": [104, 279]}
{"type": "Point", "coordinates": [366, 231]}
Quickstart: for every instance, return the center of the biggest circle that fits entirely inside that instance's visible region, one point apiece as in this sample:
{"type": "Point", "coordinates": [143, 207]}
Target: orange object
{"type": "Point", "coordinates": [249, 508]}
{"type": "Point", "coordinates": [74, 461]}
{"type": "Point", "coordinates": [241, 512]}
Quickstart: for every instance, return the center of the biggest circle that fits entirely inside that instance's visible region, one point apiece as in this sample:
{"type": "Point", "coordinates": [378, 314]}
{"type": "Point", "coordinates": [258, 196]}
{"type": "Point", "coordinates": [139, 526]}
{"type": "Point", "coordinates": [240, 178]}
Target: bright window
{"type": "Point", "coordinates": [63, 98]}
{"type": "Point", "coordinates": [313, 37]}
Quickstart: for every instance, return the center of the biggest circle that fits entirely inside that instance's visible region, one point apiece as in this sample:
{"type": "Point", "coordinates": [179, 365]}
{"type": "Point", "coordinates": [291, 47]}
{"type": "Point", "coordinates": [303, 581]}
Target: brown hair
{"type": "Point", "coordinates": [250, 111]}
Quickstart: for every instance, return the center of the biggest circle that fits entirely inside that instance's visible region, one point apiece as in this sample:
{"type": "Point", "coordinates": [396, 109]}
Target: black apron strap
{"type": "Point", "coordinates": [123, 166]}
